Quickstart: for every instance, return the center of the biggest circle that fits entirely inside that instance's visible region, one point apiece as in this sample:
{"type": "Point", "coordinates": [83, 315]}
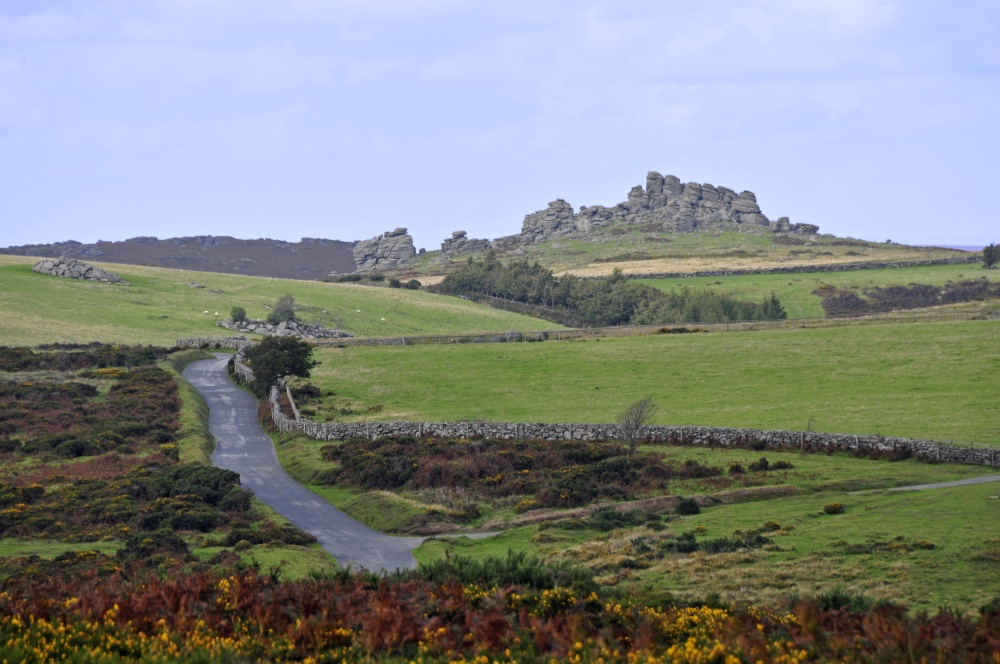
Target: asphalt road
{"type": "Point", "coordinates": [242, 446]}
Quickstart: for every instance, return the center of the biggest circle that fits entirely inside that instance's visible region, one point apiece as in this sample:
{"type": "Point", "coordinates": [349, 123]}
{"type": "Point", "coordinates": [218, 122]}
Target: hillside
{"type": "Point", "coordinates": [312, 258]}
{"type": "Point", "coordinates": [161, 305]}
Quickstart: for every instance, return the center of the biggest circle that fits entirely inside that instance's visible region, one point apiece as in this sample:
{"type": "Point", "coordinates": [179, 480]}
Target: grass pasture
{"type": "Point", "coordinates": [159, 307]}
{"type": "Point", "coordinates": [796, 290]}
{"type": "Point", "coordinates": [935, 380]}
{"type": "Point", "coordinates": [926, 549]}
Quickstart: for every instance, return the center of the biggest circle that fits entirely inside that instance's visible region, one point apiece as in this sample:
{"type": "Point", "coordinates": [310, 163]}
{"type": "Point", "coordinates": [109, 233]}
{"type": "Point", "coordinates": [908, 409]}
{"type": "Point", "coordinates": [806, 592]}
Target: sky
{"type": "Point", "coordinates": [342, 119]}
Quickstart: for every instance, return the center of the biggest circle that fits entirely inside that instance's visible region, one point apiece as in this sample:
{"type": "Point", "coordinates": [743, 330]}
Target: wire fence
{"type": "Point", "coordinates": [891, 317]}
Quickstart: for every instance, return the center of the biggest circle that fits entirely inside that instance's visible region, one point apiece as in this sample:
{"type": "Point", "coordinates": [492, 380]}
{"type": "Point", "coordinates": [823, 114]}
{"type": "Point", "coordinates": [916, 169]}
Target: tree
{"type": "Point", "coordinates": [238, 314]}
{"type": "Point", "coordinates": [991, 255]}
{"type": "Point", "coordinates": [771, 309]}
{"type": "Point", "coordinates": [632, 421]}
{"type": "Point", "coordinates": [283, 310]}
{"type": "Point", "coordinates": [275, 357]}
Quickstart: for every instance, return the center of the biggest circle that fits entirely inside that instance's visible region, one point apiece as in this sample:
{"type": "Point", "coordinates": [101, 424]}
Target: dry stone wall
{"type": "Point", "coordinates": [755, 439]}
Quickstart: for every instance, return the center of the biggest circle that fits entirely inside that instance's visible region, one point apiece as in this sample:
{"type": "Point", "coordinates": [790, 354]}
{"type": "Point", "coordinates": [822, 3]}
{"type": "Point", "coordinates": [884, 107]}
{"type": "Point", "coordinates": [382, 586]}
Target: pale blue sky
{"type": "Point", "coordinates": [345, 118]}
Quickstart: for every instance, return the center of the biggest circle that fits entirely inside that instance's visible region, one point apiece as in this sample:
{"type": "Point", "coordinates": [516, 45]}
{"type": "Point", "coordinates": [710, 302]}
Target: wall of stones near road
{"type": "Point", "coordinates": [754, 439]}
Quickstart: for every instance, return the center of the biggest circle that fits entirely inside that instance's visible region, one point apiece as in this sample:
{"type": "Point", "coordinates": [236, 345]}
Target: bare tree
{"type": "Point", "coordinates": [632, 421]}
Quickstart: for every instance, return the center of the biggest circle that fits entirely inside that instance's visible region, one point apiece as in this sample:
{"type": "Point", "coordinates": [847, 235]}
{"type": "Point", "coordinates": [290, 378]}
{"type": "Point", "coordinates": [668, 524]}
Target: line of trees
{"type": "Point", "coordinates": [598, 302]}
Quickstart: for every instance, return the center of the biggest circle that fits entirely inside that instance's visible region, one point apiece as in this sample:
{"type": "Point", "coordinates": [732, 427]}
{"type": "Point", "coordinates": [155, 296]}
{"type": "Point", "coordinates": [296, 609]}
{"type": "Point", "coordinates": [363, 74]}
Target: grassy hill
{"type": "Point", "coordinates": [796, 291]}
{"type": "Point", "coordinates": [934, 380]}
{"type": "Point", "coordinates": [159, 306]}
{"type": "Point", "coordinates": [640, 250]}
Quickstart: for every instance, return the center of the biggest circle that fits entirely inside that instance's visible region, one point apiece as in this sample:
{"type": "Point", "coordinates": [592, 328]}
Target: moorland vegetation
{"type": "Point", "coordinates": [596, 302]}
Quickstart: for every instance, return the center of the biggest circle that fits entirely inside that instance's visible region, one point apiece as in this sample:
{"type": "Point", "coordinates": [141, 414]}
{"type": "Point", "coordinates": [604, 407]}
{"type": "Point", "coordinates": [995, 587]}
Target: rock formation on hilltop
{"type": "Point", "coordinates": [390, 250]}
{"type": "Point", "coordinates": [72, 268]}
{"type": "Point", "coordinates": [664, 203]}
{"type": "Point", "coordinates": [459, 243]}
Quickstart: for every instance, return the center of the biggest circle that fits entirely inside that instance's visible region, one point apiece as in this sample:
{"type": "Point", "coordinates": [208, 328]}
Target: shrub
{"type": "Point", "coordinates": [283, 310]}
{"type": "Point", "coordinates": [395, 283]}
{"type": "Point", "coordinates": [412, 284]}
{"type": "Point", "coordinates": [687, 506]}
{"type": "Point", "coordinates": [238, 314]}
{"type": "Point", "coordinates": [833, 508]}
{"type": "Point", "coordinates": [736, 469]}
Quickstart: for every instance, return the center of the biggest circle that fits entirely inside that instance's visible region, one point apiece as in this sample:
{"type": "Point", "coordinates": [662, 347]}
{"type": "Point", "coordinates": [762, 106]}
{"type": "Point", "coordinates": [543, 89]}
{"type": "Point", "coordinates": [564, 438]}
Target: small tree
{"type": "Point", "coordinates": [238, 314]}
{"type": "Point", "coordinates": [632, 421]}
{"type": "Point", "coordinates": [991, 255]}
{"type": "Point", "coordinates": [282, 311]}
{"type": "Point", "coordinates": [275, 357]}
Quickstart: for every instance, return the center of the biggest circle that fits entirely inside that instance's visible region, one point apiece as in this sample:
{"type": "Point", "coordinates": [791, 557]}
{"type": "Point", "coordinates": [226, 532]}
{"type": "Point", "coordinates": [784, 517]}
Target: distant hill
{"type": "Point", "coordinates": [312, 258]}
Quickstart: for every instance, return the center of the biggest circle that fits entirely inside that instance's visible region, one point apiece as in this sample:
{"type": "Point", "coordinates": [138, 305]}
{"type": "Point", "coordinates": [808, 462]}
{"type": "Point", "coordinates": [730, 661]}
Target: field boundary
{"type": "Point", "coordinates": [753, 439]}
{"type": "Point", "coordinates": [892, 317]}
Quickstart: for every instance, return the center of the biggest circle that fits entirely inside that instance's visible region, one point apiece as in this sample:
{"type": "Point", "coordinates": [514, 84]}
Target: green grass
{"type": "Point", "coordinates": [515, 539]}
{"type": "Point", "coordinates": [934, 380]}
{"type": "Point", "coordinates": [960, 570]}
{"type": "Point", "coordinates": [159, 308]}
{"type": "Point", "coordinates": [293, 562]}
{"type": "Point", "coordinates": [49, 549]}
{"type": "Point", "coordinates": [796, 290]}
{"type": "Point", "coordinates": [194, 441]}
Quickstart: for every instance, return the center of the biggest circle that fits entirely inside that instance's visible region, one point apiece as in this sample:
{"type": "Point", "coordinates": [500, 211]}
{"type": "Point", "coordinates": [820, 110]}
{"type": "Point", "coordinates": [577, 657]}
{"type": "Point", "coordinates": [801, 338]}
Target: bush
{"type": "Point", "coordinates": [833, 508]}
{"type": "Point", "coordinates": [412, 284]}
{"type": "Point", "coordinates": [238, 314]}
{"type": "Point", "coordinates": [736, 469]}
{"type": "Point", "coordinates": [283, 310]}
{"type": "Point", "coordinates": [687, 506]}
{"type": "Point", "coordinates": [395, 283]}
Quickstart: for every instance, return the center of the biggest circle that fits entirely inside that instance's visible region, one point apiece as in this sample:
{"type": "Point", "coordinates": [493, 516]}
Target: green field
{"type": "Point", "coordinates": [159, 307]}
{"type": "Point", "coordinates": [647, 249]}
{"type": "Point", "coordinates": [796, 290]}
{"type": "Point", "coordinates": [929, 380]}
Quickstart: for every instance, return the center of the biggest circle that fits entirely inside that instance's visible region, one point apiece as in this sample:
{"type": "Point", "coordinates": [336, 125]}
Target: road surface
{"type": "Point", "coordinates": [242, 446]}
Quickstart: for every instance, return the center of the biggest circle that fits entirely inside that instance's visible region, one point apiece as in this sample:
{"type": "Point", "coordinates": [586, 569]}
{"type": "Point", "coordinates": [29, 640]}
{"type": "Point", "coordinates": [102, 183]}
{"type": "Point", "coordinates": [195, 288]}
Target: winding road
{"type": "Point", "coordinates": [242, 446]}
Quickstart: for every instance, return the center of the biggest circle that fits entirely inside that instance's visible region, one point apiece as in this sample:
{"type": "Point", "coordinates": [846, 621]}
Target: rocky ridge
{"type": "Point", "coordinates": [283, 329]}
{"type": "Point", "coordinates": [72, 268]}
{"type": "Point", "coordinates": [390, 250]}
{"type": "Point", "coordinates": [664, 203]}
{"type": "Point", "coordinates": [460, 243]}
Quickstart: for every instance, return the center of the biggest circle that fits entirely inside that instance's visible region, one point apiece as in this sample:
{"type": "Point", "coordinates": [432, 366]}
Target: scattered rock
{"type": "Point", "coordinates": [194, 285]}
{"type": "Point", "coordinates": [384, 252]}
{"type": "Point", "coordinates": [75, 269]}
{"type": "Point", "coordinates": [283, 329]}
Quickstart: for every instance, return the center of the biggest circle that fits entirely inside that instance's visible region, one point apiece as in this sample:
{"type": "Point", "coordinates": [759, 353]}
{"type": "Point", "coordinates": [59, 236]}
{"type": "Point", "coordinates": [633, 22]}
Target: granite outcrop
{"type": "Point", "coordinates": [72, 268]}
{"type": "Point", "coordinates": [663, 204]}
{"type": "Point", "coordinates": [392, 249]}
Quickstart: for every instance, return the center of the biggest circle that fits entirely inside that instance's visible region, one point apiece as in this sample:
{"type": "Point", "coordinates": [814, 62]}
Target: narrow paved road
{"type": "Point", "coordinates": [242, 446]}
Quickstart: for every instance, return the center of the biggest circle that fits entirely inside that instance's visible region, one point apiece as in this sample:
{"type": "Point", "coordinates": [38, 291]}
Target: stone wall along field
{"type": "Point", "coordinates": [756, 439]}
